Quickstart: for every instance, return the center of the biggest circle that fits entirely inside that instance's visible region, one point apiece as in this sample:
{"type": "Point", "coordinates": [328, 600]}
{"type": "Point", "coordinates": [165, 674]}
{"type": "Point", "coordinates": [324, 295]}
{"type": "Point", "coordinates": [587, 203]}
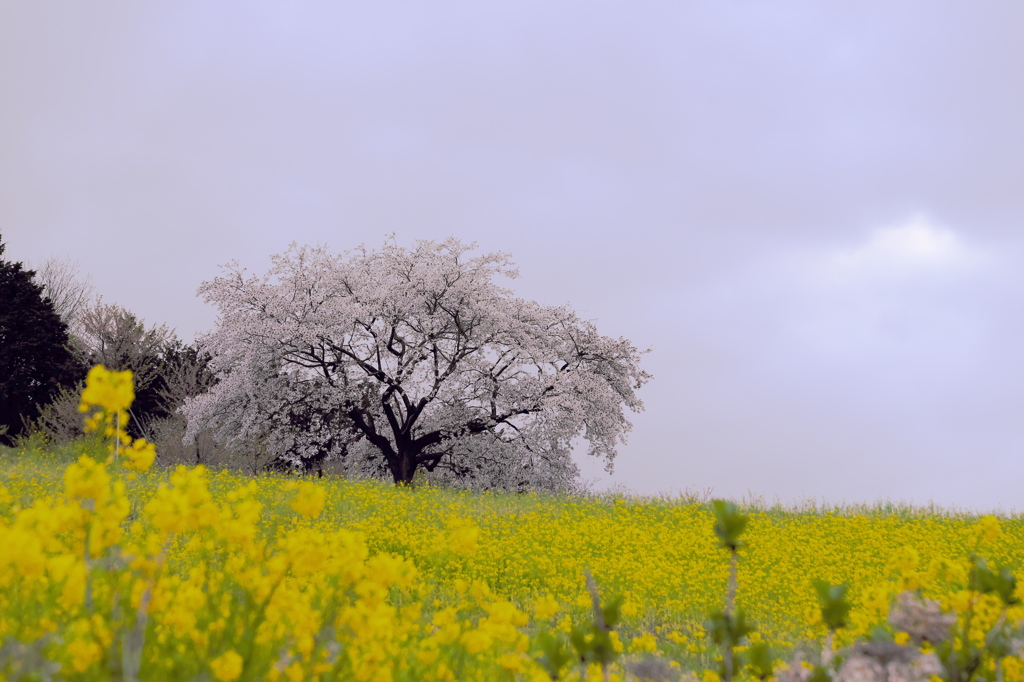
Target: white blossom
{"type": "Point", "coordinates": [412, 358]}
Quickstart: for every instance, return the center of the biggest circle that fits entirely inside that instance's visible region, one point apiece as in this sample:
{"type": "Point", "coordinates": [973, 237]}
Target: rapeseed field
{"type": "Point", "coordinates": [112, 569]}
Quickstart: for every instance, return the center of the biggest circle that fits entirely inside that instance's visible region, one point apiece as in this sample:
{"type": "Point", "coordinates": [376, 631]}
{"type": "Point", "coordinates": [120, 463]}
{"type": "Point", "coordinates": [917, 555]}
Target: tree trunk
{"type": "Point", "coordinates": [404, 469]}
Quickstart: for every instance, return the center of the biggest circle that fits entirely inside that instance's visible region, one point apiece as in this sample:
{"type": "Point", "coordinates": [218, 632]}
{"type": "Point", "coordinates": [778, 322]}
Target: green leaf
{"type": "Point", "coordinates": [820, 674]}
{"type": "Point", "coordinates": [612, 611]}
{"type": "Point", "coordinates": [982, 578]}
{"type": "Point", "coordinates": [835, 607]}
{"type": "Point", "coordinates": [729, 524]}
{"type": "Point", "coordinates": [986, 580]}
{"type": "Point", "coordinates": [760, 660]}
{"type": "Point", "coordinates": [554, 654]}
{"type": "Point", "coordinates": [727, 630]}
{"type": "Point", "coordinates": [601, 646]}
{"type": "Point", "coordinates": [578, 639]}
{"type": "Point", "coordinates": [1006, 587]}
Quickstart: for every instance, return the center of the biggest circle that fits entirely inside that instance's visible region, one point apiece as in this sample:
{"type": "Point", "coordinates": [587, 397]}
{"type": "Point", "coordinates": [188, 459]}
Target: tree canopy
{"type": "Point", "coordinates": [68, 288]}
{"type": "Point", "coordinates": [402, 359]}
{"type": "Point", "coordinates": [35, 360]}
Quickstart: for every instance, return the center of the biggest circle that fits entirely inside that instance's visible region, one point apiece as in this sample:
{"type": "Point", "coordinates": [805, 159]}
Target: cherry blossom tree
{"type": "Point", "coordinates": [409, 359]}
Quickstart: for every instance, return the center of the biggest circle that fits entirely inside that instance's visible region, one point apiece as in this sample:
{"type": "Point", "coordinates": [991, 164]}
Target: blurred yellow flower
{"type": "Point", "coordinates": [87, 479]}
{"type": "Point", "coordinates": [476, 641]}
{"type": "Point", "coordinates": [463, 539]}
{"type": "Point", "coordinates": [990, 529]}
{"type": "Point", "coordinates": [140, 455]}
{"type": "Point", "coordinates": [545, 607]}
{"type": "Point", "coordinates": [111, 392]}
{"type": "Point", "coordinates": [84, 653]}
{"type": "Point", "coordinates": [310, 499]}
{"type": "Point", "coordinates": [643, 644]}
{"type": "Point", "coordinates": [1012, 669]}
{"type": "Point", "coordinates": [514, 663]}
{"type": "Point", "coordinates": [227, 666]}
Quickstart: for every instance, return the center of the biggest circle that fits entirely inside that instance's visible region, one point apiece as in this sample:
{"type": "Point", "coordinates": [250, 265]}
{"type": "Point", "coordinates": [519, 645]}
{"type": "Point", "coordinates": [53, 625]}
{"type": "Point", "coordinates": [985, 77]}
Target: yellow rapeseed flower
{"type": "Point", "coordinates": [1012, 669]}
{"type": "Point", "coordinates": [140, 455]}
{"type": "Point", "coordinates": [476, 641]}
{"type": "Point", "coordinates": [643, 644]}
{"type": "Point", "coordinates": [514, 663]}
{"type": "Point", "coordinates": [110, 390]}
{"type": "Point", "coordinates": [87, 479]}
{"type": "Point", "coordinates": [434, 584]}
{"type": "Point", "coordinates": [990, 530]}
{"type": "Point", "coordinates": [545, 607]}
{"type": "Point", "coordinates": [227, 666]}
{"type": "Point", "coordinates": [84, 653]}
{"type": "Point", "coordinates": [463, 539]}
{"type": "Point", "coordinates": [310, 499]}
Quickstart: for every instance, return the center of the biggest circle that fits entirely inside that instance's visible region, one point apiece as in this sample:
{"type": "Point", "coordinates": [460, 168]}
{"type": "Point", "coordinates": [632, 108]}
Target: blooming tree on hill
{"type": "Point", "coordinates": [409, 359]}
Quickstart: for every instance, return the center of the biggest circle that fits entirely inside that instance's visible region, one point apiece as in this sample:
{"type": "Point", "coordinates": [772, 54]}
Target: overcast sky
{"type": "Point", "coordinates": [810, 212]}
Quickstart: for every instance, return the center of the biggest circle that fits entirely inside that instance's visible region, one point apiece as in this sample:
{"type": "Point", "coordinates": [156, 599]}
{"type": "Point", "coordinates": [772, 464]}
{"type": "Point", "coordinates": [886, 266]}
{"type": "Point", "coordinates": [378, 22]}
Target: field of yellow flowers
{"type": "Point", "coordinates": [111, 569]}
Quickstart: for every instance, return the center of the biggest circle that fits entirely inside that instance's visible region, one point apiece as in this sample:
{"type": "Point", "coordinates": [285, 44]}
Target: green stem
{"type": "Point", "coordinates": [827, 649]}
{"type": "Point", "coordinates": [131, 647]}
{"type": "Point", "coordinates": [86, 559]}
{"type": "Point", "coordinates": [730, 599]}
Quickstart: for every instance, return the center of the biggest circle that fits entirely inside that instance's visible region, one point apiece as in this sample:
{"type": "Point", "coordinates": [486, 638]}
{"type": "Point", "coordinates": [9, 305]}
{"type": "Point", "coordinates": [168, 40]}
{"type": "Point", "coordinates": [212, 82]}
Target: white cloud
{"type": "Point", "coordinates": [914, 248]}
{"type": "Point", "coordinates": [909, 297]}
{"type": "Point", "coordinates": [908, 294]}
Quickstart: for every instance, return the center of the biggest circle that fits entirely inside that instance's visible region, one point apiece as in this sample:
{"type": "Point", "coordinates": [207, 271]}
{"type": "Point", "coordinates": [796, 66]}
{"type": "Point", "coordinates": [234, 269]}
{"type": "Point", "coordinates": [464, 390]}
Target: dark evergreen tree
{"type": "Point", "coordinates": [35, 358]}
